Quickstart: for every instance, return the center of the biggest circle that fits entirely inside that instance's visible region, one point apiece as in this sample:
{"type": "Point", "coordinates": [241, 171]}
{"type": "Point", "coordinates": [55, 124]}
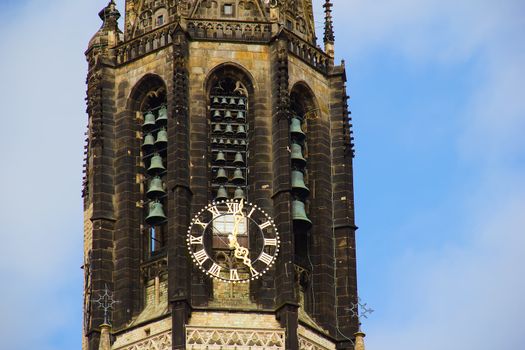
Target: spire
{"type": "Point", "coordinates": [359, 341]}
{"type": "Point", "coordinates": [109, 34]}
{"type": "Point", "coordinates": [329, 37]}
{"type": "Point", "coordinates": [105, 341]}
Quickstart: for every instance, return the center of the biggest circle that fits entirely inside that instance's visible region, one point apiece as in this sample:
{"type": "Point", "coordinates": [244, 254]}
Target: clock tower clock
{"type": "Point", "coordinates": [218, 187]}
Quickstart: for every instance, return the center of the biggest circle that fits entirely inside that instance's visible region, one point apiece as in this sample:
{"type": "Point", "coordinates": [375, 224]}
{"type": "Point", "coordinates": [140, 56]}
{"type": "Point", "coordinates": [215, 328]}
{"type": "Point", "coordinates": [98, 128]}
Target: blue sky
{"type": "Point", "coordinates": [439, 119]}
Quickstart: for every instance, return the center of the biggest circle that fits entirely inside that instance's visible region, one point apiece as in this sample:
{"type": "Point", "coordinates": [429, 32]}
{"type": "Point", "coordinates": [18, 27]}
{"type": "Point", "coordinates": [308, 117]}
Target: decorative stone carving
{"type": "Point", "coordinates": [156, 342]}
{"type": "Point", "coordinates": [230, 339]}
{"type": "Point", "coordinates": [305, 344]}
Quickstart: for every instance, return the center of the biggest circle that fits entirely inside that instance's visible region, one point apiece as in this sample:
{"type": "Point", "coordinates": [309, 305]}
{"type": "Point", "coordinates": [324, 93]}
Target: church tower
{"type": "Point", "coordinates": [218, 188]}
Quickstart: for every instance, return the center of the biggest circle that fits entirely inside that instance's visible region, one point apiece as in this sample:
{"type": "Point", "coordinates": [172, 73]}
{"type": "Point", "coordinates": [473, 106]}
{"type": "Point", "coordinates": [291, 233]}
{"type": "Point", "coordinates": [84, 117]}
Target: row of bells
{"type": "Point", "coordinates": [217, 115]}
{"type": "Point", "coordinates": [222, 194]}
{"type": "Point", "coordinates": [156, 214]}
{"type": "Point", "coordinates": [161, 141]}
{"type": "Point", "coordinates": [156, 165]}
{"type": "Point", "coordinates": [228, 142]}
{"type": "Point", "coordinates": [232, 101]}
{"type": "Point", "coordinates": [298, 185]}
{"type": "Point", "coordinates": [150, 122]}
{"type": "Point", "coordinates": [221, 158]}
{"type": "Point", "coordinates": [296, 129]}
{"type": "Point", "coordinates": [241, 131]}
{"type": "Point", "coordinates": [238, 177]}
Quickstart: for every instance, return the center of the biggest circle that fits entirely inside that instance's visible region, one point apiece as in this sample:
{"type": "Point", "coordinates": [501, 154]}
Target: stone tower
{"type": "Point", "coordinates": [218, 188]}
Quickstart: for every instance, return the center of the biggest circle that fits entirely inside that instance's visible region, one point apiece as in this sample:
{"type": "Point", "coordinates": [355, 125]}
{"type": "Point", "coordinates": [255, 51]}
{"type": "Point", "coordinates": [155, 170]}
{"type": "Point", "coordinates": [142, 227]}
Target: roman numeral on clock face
{"type": "Point", "coordinates": [270, 241]}
{"type": "Point", "coordinates": [201, 256]}
{"type": "Point", "coordinates": [234, 275]}
{"type": "Point", "coordinates": [214, 211]}
{"type": "Point", "coordinates": [201, 224]}
{"type": "Point", "coordinates": [265, 258]}
{"type": "Point", "coordinates": [215, 270]}
{"type": "Point", "coordinates": [195, 240]}
{"type": "Point", "coordinates": [233, 207]}
{"type": "Point", "coordinates": [265, 225]}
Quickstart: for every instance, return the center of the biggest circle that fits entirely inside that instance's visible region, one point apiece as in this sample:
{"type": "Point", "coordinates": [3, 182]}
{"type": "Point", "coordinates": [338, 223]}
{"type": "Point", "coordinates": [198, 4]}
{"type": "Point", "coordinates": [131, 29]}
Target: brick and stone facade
{"type": "Point", "coordinates": [171, 53]}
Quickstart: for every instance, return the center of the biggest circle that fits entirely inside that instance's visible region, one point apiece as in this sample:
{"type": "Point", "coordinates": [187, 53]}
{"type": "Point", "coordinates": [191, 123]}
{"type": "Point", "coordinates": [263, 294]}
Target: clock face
{"type": "Point", "coordinates": [233, 241]}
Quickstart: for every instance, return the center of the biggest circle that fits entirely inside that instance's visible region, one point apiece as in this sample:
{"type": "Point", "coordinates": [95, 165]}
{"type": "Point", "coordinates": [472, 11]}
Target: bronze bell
{"type": "Point", "coordinates": [162, 138]}
{"type": "Point", "coordinates": [215, 100]}
{"type": "Point", "coordinates": [224, 100]}
{"type": "Point", "coordinates": [298, 183]}
{"type": "Point", "coordinates": [220, 157]}
{"type": "Point", "coordinates": [217, 129]}
{"type": "Point", "coordinates": [297, 155]}
{"type": "Point", "coordinates": [217, 115]}
{"type": "Point", "coordinates": [236, 142]}
{"type": "Point", "coordinates": [149, 121]}
{"type": "Point", "coordinates": [214, 140]}
{"type": "Point", "coordinates": [221, 175]}
{"type": "Point", "coordinates": [239, 193]}
{"type": "Point", "coordinates": [243, 142]}
{"type": "Point", "coordinates": [241, 102]}
{"type": "Point", "coordinates": [156, 213]}
{"type": "Point", "coordinates": [228, 115]}
{"type": "Point", "coordinates": [295, 129]}
{"type": "Point", "coordinates": [221, 194]}
{"type": "Point", "coordinates": [156, 166]}
{"type": "Point", "coordinates": [156, 188]}
{"type": "Point", "coordinates": [238, 177]}
{"type": "Point", "coordinates": [232, 101]}
{"type": "Point", "coordinates": [299, 213]}
{"type": "Point", "coordinates": [240, 117]}
{"type": "Point", "coordinates": [221, 142]}
{"type": "Point", "coordinates": [229, 130]}
{"type": "Point", "coordinates": [238, 159]}
{"type": "Point", "coordinates": [241, 131]}
{"type": "Point", "coordinates": [163, 116]}
{"type": "Point", "coordinates": [149, 141]}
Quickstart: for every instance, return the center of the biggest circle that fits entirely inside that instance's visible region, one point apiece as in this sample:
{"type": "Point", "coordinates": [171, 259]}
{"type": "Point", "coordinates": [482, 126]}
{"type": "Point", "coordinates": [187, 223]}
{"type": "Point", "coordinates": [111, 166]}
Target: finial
{"type": "Point", "coordinates": [109, 12]}
{"type": "Point", "coordinates": [329, 37]}
{"type": "Point", "coordinates": [105, 302]}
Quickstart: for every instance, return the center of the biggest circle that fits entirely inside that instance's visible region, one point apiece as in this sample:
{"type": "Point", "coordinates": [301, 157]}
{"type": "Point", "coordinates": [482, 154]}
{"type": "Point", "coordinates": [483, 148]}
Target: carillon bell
{"type": "Point", "coordinates": [221, 175]}
{"type": "Point", "coordinates": [298, 183]}
{"type": "Point", "coordinates": [240, 117]}
{"type": "Point", "coordinates": [224, 100]}
{"type": "Point", "coordinates": [299, 213]}
{"type": "Point", "coordinates": [241, 131]}
{"type": "Point", "coordinates": [229, 130]}
{"type": "Point", "coordinates": [221, 194]}
{"type": "Point", "coordinates": [156, 213]}
{"type": "Point", "coordinates": [228, 115]}
{"type": "Point", "coordinates": [214, 140]}
{"type": "Point", "coordinates": [156, 188]}
{"type": "Point", "coordinates": [243, 142]}
{"type": "Point", "coordinates": [163, 116]}
{"type": "Point", "coordinates": [238, 159]}
{"type": "Point", "coordinates": [238, 177]}
{"type": "Point", "coordinates": [162, 138]}
{"type": "Point", "coordinates": [239, 193]}
{"type": "Point", "coordinates": [149, 141]}
{"type": "Point", "coordinates": [216, 100]}
{"type": "Point", "coordinates": [295, 129]}
{"type": "Point", "coordinates": [156, 166]}
{"type": "Point", "coordinates": [217, 129]}
{"type": "Point", "coordinates": [221, 142]}
{"type": "Point", "coordinates": [297, 154]}
{"type": "Point", "coordinates": [241, 102]}
{"type": "Point", "coordinates": [149, 121]}
{"type": "Point", "coordinates": [236, 142]}
{"type": "Point", "coordinates": [220, 157]}
{"type": "Point", "coordinates": [232, 101]}
{"type": "Point", "coordinates": [217, 115]}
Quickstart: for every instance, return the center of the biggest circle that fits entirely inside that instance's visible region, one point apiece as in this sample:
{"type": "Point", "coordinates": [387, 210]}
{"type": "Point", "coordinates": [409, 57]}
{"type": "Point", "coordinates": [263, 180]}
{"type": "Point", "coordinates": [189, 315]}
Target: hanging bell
{"type": "Point", "coordinates": [228, 142]}
{"type": "Point", "coordinates": [162, 138]}
{"type": "Point", "coordinates": [228, 115]}
{"type": "Point", "coordinates": [299, 213]}
{"type": "Point", "coordinates": [220, 157]}
{"type": "Point", "coordinates": [217, 129]}
{"type": "Point", "coordinates": [224, 101]}
{"type": "Point", "coordinates": [238, 159]}
{"type": "Point", "coordinates": [149, 121]}
{"type": "Point", "coordinates": [295, 129]}
{"type": "Point", "coordinates": [298, 183]}
{"type": "Point", "coordinates": [229, 130]}
{"type": "Point", "coordinates": [240, 117]}
{"type": "Point", "coordinates": [215, 100]}
{"type": "Point", "coordinates": [163, 116]}
{"type": "Point", "coordinates": [214, 140]}
{"type": "Point", "coordinates": [241, 131]}
{"type": "Point", "coordinates": [222, 195]}
{"type": "Point", "coordinates": [156, 214]}
{"type": "Point", "coordinates": [155, 188]}
{"type": "Point", "coordinates": [156, 166]}
{"type": "Point", "coordinates": [221, 175]}
{"type": "Point", "coordinates": [241, 102]}
{"type": "Point", "coordinates": [297, 155]}
{"type": "Point", "coordinates": [217, 115]}
{"type": "Point", "coordinates": [243, 142]}
{"type": "Point", "coordinates": [238, 177]}
{"type": "Point", "coordinates": [232, 101]}
{"type": "Point", "coordinates": [236, 142]}
{"type": "Point", "coordinates": [149, 141]}
{"type": "Point", "coordinates": [239, 193]}
{"type": "Point", "coordinates": [221, 142]}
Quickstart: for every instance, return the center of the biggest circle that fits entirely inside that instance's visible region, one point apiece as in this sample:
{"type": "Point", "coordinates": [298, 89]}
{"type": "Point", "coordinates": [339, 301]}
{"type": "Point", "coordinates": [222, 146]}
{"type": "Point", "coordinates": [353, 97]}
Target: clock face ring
{"type": "Point", "coordinates": [233, 241]}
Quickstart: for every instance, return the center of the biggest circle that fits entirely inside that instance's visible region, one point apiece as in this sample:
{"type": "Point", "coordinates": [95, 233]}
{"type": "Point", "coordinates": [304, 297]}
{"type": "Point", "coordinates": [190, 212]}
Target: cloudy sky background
{"type": "Point", "coordinates": [439, 114]}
